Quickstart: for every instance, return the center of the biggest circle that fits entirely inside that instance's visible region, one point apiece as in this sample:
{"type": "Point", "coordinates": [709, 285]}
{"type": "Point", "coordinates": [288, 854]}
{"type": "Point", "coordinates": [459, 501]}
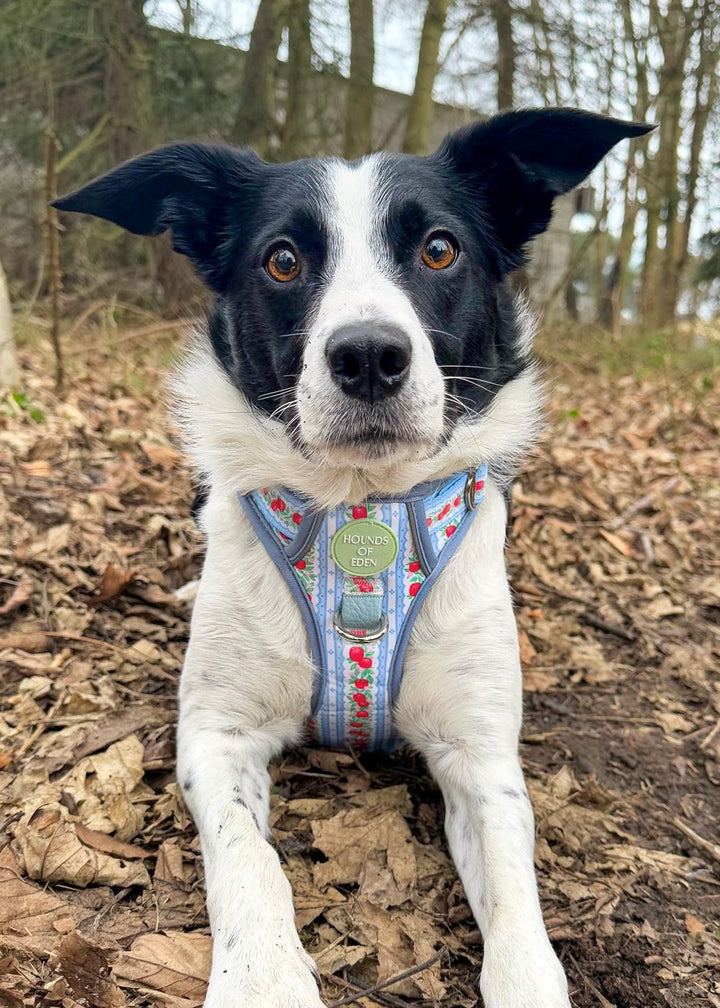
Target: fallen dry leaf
{"type": "Point", "coordinates": [85, 966]}
{"type": "Point", "coordinates": [18, 597]}
{"type": "Point", "coordinates": [52, 852]}
{"type": "Point", "coordinates": [27, 912]}
{"type": "Point", "coordinates": [374, 850]}
{"type": "Point", "coordinates": [113, 582]}
{"type": "Point", "coordinates": [108, 789]}
{"type": "Point", "coordinates": [693, 924]}
{"type": "Point", "coordinates": [162, 455]}
{"type": "Point", "coordinates": [621, 545]}
{"type": "Point", "coordinates": [172, 963]}
{"type": "Point", "coordinates": [108, 844]}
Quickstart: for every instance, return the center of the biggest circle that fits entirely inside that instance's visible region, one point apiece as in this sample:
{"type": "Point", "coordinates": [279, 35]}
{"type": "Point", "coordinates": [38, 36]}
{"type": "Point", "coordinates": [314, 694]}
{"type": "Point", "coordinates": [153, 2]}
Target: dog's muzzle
{"type": "Point", "coordinates": [369, 363]}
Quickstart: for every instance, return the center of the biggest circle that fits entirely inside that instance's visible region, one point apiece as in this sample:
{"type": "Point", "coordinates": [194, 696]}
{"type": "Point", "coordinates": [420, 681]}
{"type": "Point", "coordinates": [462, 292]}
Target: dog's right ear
{"type": "Point", "coordinates": [190, 188]}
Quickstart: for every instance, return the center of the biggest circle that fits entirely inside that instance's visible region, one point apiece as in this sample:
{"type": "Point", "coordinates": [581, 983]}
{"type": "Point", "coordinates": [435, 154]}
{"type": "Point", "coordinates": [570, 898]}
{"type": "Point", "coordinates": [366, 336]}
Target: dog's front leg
{"type": "Point", "coordinates": [258, 960]}
{"type": "Point", "coordinates": [490, 831]}
{"type": "Point", "coordinates": [460, 705]}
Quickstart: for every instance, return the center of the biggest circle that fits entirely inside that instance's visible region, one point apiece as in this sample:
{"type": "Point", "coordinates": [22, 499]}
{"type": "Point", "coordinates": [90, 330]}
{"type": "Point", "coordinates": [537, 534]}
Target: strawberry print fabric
{"type": "Point", "coordinates": [359, 680]}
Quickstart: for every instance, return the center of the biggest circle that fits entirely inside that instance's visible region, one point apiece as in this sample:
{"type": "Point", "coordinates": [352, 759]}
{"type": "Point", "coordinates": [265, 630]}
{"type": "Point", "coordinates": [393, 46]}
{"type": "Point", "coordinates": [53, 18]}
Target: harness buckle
{"type": "Point", "coordinates": [469, 493]}
{"type": "Point", "coordinates": [360, 633]}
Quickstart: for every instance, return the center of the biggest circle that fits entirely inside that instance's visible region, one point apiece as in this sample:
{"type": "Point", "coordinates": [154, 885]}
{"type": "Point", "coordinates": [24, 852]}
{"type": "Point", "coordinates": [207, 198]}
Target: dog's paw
{"type": "Point", "coordinates": [268, 981]}
{"type": "Point", "coordinates": [519, 973]}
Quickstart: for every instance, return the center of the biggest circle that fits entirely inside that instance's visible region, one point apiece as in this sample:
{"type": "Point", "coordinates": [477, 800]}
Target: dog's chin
{"type": "Point", "coordinates": [369, 451]}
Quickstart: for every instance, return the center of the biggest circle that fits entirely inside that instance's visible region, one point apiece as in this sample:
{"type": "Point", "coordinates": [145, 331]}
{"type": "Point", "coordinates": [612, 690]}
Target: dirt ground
{"type": "Point", "coordinates": [615, 566]}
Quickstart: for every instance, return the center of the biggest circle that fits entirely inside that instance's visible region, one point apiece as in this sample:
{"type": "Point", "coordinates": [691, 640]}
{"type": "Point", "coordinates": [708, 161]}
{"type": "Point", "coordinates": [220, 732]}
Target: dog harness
{"type": "Point", "coordinates": [360, 575]}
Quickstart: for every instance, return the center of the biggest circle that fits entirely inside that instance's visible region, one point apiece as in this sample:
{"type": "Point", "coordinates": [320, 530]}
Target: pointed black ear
{"type": "Point", "coordinates": [192, 189]}
{"type": "Point", "coordinates": [517, 163]}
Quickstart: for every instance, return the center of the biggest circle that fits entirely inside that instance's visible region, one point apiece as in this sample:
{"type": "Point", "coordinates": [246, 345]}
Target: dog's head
{"type": "Point", "coordinates": [362, 306]}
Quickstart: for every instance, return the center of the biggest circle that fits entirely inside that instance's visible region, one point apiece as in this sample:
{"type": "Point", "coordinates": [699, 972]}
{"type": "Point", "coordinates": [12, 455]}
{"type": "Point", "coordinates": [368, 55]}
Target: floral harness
{"type": "Point", "coordinates": [360, 575]}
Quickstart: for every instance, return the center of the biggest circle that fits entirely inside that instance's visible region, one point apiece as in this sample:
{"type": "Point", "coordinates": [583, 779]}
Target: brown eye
{"type": "Point", "coordinates": [283, 265]}
{"type": "Point", "coordinates": [439, 251]}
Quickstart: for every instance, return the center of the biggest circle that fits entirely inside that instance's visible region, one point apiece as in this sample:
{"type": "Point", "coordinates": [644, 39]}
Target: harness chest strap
{"type": "Point", "coordinates": [359, 575]}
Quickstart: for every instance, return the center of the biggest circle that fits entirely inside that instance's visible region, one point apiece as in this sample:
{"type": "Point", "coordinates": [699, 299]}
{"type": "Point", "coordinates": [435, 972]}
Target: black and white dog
{"type": "Point", "coordinates": [363, 343]}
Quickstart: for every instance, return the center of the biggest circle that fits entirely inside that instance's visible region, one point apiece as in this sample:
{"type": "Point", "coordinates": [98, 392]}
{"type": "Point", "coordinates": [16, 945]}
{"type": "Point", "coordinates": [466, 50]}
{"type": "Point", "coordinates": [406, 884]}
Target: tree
{"type": "Point", "coordinates": [8, 361]}
{"type": "Point", "coordinates": [255, 122]}
{"type": "Point", "coordinates": [688, 36]}
{"type": "Point", "coordinates": [188, 12]}
{"type": "Point", "coordinates": [420, 109]}
{"type": "Point", "coordinates": [359, 110]}
{"type": "Point", "coordinates": [127, 57]}
{"type": "Point", "coordinates": [505, 64]}
{"type": "Point", "coordinates": [299, 69]}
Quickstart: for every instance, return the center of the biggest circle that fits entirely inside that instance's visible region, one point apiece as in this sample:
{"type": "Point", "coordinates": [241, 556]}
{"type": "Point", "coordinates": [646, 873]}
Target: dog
{"type": "Point", "coordinates": [357, 406]}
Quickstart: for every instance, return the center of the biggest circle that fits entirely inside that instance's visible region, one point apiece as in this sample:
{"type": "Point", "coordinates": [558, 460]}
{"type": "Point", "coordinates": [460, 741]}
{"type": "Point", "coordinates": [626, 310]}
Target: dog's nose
{"type": "Point", "coordinates": [369, 362]}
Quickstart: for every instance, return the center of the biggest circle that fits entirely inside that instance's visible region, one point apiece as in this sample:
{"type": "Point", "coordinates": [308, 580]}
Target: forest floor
{"type": "Point", "coordinates": [615, 564]}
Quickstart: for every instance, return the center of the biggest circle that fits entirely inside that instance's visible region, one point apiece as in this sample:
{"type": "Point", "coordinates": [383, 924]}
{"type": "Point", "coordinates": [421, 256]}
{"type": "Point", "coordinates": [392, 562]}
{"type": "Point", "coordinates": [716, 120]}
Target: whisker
{"type": "Point", "coordinates": [274, 395]}
{"type": "Point", "coordinates": [478, 383]}
{"type": "Point", "coordinates": [444, 332]}
{"type": "Point", "coordinates": [466, 367]}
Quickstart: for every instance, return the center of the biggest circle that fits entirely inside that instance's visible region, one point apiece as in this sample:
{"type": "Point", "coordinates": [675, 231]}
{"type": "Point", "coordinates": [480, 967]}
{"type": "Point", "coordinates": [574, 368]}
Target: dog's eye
{"type": "Point", "coordinates": [283, 265]}
{"type": "Point", "coordinates": [439, 251]}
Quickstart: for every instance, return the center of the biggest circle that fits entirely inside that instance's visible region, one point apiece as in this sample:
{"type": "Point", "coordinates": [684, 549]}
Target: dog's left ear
{"type": "Point", "coordinates": [195, 190]}
{"type": "Point", "coordinates": [517, 163]}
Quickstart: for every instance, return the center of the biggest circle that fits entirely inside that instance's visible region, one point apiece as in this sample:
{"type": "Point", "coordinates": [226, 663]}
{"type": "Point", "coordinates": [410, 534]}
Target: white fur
{"type": "Point", "coordinates": [247, 681]}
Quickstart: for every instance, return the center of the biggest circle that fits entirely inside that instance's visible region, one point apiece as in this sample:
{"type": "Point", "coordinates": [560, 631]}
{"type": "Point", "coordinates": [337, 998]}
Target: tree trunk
{"type": "Point", "coordinates": [704, 100]}
{"type": "Point", "coordinates": [299, 69]}
{"type": "Point", "coordinates": [660, 287]}
{"type": "Point", "coordinates": [255, 123]}
{"type": "Point", "coordinates": [188, 12]}
{"type": "Point", "coordinates": [9, 373]}
{"type": "Point", "coordinates": [128, 77]}
{"type": "Point", "coordinates": [420, 109]}
{"type": "Point", "coordinates": [359, 112]}
{"type": "Point", "coordinates": [624, 244]}
{"type": "Point", "coordinates": [502, 15]}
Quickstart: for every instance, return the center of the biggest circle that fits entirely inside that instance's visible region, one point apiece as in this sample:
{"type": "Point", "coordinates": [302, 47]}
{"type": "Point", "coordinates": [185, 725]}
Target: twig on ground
{"type": "Point", "coordinates": [38, 729]}
{"type": "Point", "coordinates": [356, 761]}
{"type": "Point", "coordinates": [710, 848]}
{"type": "Point", "coordinates": [132, 334]}
{"type": "Point", "coordinates": [644, 502]}
{"type": "Point", "coordinates": [118, 898]}
{"type": "Point", "coordinates": [392, 980]}
{"type": "Point", "coordinates": [595, 621]}
{"type": "Point", "coordinates": [384, 999]}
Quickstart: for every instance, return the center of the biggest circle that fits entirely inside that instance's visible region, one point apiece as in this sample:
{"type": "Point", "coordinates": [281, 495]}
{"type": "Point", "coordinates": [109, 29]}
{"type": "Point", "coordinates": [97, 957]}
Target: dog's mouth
{"type": "Point", "coordinates": [360, 435]}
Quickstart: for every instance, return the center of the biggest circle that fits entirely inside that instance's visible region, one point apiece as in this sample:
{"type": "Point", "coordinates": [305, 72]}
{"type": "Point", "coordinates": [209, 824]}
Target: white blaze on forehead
{"type": "Point", "coordinates": [357, 214]}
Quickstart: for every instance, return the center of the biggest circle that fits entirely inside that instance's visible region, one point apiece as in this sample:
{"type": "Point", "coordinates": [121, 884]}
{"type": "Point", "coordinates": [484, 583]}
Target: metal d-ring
{"type": "Point", "coordinates": [469, 493]}
{"type": "Point", "coordinates": [360, 635]}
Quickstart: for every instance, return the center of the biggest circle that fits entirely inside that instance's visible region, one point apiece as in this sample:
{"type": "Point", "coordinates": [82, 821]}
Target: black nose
{"type": "Point", "coordinates": [369, 362]}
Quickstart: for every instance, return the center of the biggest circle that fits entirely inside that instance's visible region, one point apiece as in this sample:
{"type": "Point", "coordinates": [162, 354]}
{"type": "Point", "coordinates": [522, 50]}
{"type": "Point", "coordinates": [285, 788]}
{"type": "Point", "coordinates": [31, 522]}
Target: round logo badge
{"type": "Point", "coordinates": [365, 546]}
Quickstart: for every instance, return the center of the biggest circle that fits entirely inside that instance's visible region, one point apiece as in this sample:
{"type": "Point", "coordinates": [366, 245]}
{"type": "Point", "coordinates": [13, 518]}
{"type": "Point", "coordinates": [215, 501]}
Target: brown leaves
{"type": "Point", "coordinates": [28, 914]}
{"type": "Point", "coordinates": [52, 851]}
{"type": "Point", "coordinates": [18, 597]}
{"type": "Point", "coordinates": [113, 582]}
{"type": "Point", "coordinates": [85, 966]}
{"type": "Point", "coordinates": [374, 849]}
{"type": "Point", "coordinates": [175, 965]}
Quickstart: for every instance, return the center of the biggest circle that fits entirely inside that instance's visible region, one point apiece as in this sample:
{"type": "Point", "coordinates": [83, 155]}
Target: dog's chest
{"type": "Point", "coordinates": [359, 575]}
